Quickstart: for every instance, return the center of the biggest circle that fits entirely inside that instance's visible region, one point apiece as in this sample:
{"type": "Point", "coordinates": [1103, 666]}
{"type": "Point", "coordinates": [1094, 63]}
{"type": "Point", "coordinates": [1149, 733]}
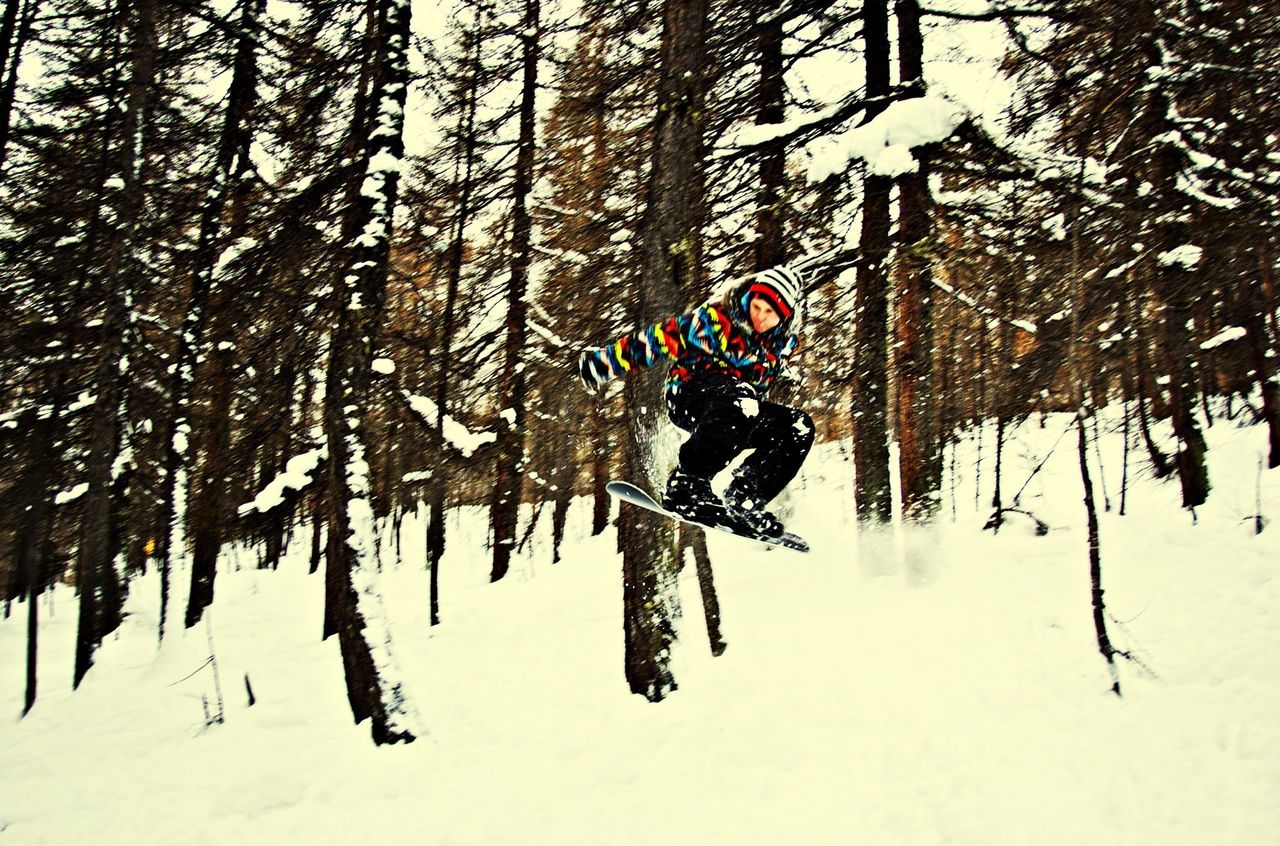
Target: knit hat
{"type": "Point", "coordinates": [781, 286]}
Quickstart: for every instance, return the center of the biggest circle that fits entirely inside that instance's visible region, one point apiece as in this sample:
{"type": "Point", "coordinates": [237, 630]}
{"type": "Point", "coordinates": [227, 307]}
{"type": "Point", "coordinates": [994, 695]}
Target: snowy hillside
{"type": "Point", "coordinates": [925, 689]}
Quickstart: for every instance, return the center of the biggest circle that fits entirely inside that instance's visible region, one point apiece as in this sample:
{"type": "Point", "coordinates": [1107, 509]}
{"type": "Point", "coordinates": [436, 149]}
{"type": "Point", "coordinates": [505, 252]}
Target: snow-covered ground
{"type": "Point", "coordinates": [919, 689]}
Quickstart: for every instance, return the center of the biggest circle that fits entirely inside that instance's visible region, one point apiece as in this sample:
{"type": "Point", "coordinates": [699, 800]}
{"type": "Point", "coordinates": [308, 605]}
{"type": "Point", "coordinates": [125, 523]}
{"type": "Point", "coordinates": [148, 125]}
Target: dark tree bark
{"type": "Point", "coordinates": [600, 499]}
{"type": "Point", "coordinates": [694, 539]}
{"type": "Point", "coordinates": [919, 440]}
{"type": "Point", "coordinates": [96, 577]}
{"type": "Point", "coordinates": [34, 536]}
{"type": "Point", "coordinates": [230, 164]}
{"type": "Point", "coordinates": [1256, 335]}
{"type": "Point", "coordinates": [509, 449]}
{"type": "Point", "coordinates": [15, 32]}
{"type": "Point", "coordinates": [208, 505]}
{"type": "Point", "coordinates": [317, 530]}
{"type": "Point", "coordinates": [1095, 558]}
{"type": "Point", "coordinates": [670, 254]}
{"type": "Point", "coordinates": [559, 516]}
{"type": "Point", "coordinates": [372, 689]}
{"type": "Point", "coordinates": [873, 495]}
{"type": "Point", "coordinates": [770, 247]}
{"type": "Point", "coordinates": [1193, 472]}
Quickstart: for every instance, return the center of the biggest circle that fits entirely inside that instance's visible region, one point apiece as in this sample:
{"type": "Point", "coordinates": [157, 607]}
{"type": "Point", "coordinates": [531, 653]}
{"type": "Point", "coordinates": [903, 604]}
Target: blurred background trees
{"type": "Point", "coordinates": [181, 195]}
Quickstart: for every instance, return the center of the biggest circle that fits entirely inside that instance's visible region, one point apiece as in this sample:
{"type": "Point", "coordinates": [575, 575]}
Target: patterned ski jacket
{"type": "Point", "coordinates": [713, 338]}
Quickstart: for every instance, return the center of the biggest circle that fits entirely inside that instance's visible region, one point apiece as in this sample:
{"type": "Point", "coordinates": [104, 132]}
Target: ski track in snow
{"type": "Point", "coordinates": [939, 687]}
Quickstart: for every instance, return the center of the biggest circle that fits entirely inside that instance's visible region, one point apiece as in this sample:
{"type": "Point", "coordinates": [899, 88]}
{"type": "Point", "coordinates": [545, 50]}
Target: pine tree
{"type": "Point", "coordinates": [670, 272]}
{"type": "Point", "coordinates": [96, 577]}
{"type": "Point", "coordinates": [230, 166]}
{"type": "Point", "coordinates": [919, 440]}
{"type": "Point", "coordinates": [505, 503]}
{"type": "Point", "coordinates": [372, 687]}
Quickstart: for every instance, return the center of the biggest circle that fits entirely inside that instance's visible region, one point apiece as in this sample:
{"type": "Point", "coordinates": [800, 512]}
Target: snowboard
{"type": "Point", "coordinates": [628, 492]}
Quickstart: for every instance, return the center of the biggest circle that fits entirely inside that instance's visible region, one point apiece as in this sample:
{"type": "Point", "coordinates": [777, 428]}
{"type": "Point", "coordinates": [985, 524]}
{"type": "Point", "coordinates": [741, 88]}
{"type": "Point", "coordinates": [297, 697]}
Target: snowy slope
{"type": "Point", "coordinates": [918, 689]}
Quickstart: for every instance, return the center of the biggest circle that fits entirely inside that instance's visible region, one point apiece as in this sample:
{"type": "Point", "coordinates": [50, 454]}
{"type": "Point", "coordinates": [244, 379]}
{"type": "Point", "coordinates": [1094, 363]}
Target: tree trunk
{"type": "Point", "coordinates": [1256, 331]}
{"type": "Point", "coordinates": [317, 529]}
{"type": "Point", "coordinates": [1095, 559]}
{"type": "Point", "coordinates": [559, 516]}
{"type": "Point", "coordinates": [96, 577]}
{"type": "Point", "coordinates": [373, 687]}
{"type": "Point", "coordinates": [209, 500]}
{"type": "Point", "coordinates": [1140, 367]}
{"type": "Point", "coordinates": [1267, 384]}
{"type": "Point", "coordinates": [437, 494]}
{"type": "Point", "coordinates": [600, 499]}
{"type": "Point", "coordinates": [509, 449]}
{"type": "Point", "coordinates": [919, 440]}
{"type": "Point", "coordinates": [1193, 472]}
{"type": "Point", "coordinates": [873, 493]}
{"type": "Point", "coordinates": [19, 23]}
{"type": "Point", "coordinates": [695, 539]}
{"type": "Point", "coordinates": [770, 247]}
{"type": "Point", "coordinates": [34, 538]}
{"type": "Point", "coordinates": [669, 271]}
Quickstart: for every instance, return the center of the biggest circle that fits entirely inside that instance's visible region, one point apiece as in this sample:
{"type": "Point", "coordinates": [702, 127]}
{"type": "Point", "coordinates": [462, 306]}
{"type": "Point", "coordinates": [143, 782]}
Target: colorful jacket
{"type": "Point", "coordinates": [713, 338]}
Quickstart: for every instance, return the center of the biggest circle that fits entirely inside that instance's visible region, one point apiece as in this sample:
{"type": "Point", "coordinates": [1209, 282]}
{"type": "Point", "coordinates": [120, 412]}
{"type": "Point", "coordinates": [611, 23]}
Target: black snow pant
{"type": "Point", "coordinates": [724, 417]}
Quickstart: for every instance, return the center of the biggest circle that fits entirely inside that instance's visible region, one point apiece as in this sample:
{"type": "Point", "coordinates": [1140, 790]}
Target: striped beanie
{"type": "Point", "coordinates": [781, 286]}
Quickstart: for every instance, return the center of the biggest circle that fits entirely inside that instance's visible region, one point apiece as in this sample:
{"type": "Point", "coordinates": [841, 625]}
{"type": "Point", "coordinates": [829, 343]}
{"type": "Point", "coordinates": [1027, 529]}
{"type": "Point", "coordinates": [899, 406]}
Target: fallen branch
{"type": "Point", "coordinates": [997, 519]}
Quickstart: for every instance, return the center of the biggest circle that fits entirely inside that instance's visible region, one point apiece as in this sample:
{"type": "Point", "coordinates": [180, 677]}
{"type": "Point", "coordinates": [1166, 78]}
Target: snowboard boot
{"type": "Point", "coordinates": [691, 497]}
{"type": "Point", "coordinates": [748, 514]}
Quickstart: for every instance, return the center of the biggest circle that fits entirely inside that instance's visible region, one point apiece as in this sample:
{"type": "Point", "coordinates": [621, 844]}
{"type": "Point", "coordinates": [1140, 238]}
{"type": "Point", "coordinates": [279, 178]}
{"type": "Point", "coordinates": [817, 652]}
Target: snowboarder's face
{"type": "Point", "coordinates": [763, 316]}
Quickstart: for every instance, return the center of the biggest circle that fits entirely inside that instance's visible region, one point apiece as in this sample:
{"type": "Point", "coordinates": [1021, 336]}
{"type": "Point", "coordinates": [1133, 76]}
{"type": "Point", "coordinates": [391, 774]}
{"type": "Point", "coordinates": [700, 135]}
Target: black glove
{"type": "Point", "coordinates": [592, 372]}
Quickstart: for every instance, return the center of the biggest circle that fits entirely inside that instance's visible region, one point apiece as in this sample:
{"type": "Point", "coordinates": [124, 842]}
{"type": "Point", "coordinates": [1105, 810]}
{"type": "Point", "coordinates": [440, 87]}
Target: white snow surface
{"type": "Point", "coordinates": [903, 687]}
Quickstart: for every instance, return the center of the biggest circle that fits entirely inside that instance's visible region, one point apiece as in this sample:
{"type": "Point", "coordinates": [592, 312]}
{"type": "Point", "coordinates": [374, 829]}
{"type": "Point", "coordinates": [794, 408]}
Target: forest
{"type": "Point", "coordinates": [286, 272]}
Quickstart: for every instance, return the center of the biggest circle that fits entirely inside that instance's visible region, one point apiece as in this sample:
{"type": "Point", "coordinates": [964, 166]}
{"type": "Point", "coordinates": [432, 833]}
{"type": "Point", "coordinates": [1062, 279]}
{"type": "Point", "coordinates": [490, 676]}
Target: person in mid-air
{"type": "Point", "coordinates": [726, 355]}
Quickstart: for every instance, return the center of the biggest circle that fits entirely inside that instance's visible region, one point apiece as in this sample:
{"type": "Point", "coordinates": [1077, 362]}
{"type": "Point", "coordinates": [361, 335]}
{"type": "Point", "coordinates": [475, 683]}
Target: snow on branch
{"type": "Point", "coordinates": [1226, 336]}
{"type": "Point", "coordinates": [1186, 256]}
{"type": "Point", "coordinates": [296, 477]}
{"type": "Point", "coordinates": [547, 334]}
{"type": "Point", "coordinates": [455, 434]}
{"type": "Point", "coordinates": [1024, 325]}
{"type": "Point", "coordinates": [996, 12]}
{"type": "Point", "coordinates": [885, 142]}
{"type": "Point", "coordinates": [807, 127]}
{"type": "Point", "coordinates": [16, 420]}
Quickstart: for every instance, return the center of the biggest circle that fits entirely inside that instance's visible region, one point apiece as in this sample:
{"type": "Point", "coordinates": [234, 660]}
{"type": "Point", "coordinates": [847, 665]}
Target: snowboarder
{"type": "Point", "coordinates": [726, 355]}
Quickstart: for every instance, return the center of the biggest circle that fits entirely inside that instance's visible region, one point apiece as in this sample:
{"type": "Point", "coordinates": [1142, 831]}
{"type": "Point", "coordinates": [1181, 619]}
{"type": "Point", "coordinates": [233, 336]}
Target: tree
{"type": "Point", "coordinates": [372, 688]}
{"type": "Point", "coordinates": [919, 439]}
{"type": "Point", "coordinates": [15, 33]}
{"type": "Point", "coordinates": [505, 504]}
{"type": "Point", "coordinates": [230, 167]}
{"type": "Point", "coordinates": [459, 186]}
{"type": "Point", "coordinates": [871, 327]}
{"type": "Point", "coordinates": [96, 577]}
{"type": "Point", "coordinates": [670, 262]}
